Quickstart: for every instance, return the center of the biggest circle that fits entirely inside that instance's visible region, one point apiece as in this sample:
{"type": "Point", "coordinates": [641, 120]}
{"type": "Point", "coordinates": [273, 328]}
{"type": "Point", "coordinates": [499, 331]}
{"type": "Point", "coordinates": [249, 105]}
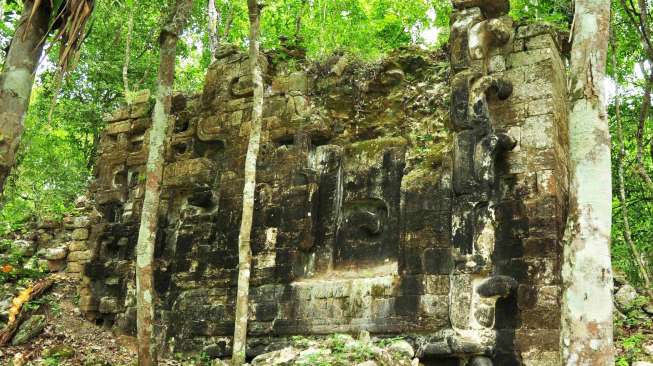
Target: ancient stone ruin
{"type": "Point", "coordinates": [421, 196]}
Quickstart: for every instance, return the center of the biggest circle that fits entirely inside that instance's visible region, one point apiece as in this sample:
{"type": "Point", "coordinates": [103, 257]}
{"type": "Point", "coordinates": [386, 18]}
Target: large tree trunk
{"type": "Point", "coordinates": [145, 295]}
{"type": "Point", "coordinates": [586, 329]}
{"type": "Point", "coordinates": [16, 82]}
{"type": "Point", "coordinates": [213, 28]}
{"type": "Point", "coordinates": [128, 42]}
{"type": "Point", "coordinates": [244, 247]}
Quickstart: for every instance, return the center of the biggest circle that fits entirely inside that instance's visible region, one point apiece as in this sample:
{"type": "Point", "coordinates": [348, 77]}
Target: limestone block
{"type": "Point", "coordinates": [280, 85]}
{"type": "Point", "coordinates": [56, 253]}
{"type": "Point", "coordinates": [534, 29]}
{"type": "Point", "coordinates": [541, 106]}
{"type": "Point", "coordinates": [140, 110]}
{"type": "Point", "coordinates": [534, 357]}
{"type": "Point", "coordinates": [56, 265]}
{"type": "Point", "coordinates": [74, 267]}
{"type": "Point", "coordinates": [80, 256]}
{"type": "Point", "coordinates": [187, 172]}
{"type": "Point", "coordinates": [26, 248]}
{"type": "Point", "coordinates": [78, 245]}
{"type": "Point", "coordinates": [117, 115]}
{"type": "Point", "coordinates": [541, 41]}
{"type": "Point", "coordinates": [88, 303]}
{"type": "Point", "coordinates": [108, 305]}
{"type": "Point", "coordinates": [81, 221]}
{"type": "Point", "coordinates": [80, 234]}
{"type": "Point", "coordinates": [118, 127]}
{"type": "Point", "coordinates": [141, 96]}
{"type": "Point", "coordinates": [298, 82]}
{"type": "Point", "coordinates": [531, 57]}
{"type": "Point", "coordinates": [537, 132]}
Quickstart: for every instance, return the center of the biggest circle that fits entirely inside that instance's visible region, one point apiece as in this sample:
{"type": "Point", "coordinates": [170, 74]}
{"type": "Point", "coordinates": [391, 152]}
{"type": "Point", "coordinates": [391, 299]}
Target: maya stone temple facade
{"type": "Point", "coordinates": [423, 195]}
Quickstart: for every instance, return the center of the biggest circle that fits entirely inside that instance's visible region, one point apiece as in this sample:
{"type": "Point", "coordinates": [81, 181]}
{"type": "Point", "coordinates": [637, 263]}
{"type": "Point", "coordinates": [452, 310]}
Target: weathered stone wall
{"type": "Point", "coordinates": [380, 205]}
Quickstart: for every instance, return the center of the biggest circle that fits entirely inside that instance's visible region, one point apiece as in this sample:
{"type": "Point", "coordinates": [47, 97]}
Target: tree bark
{"type": "Point", "coordinates": [125, 66]}
{"type": "Point", "coordinates": [213, 28]}
{"type": "Point", "coordinates": [145, 295]}
{"type": "Point", "coordinates": [586, 329]}
{"type": "Point", "coordinates": [298, 20]}
{"type": "Point", "coordinates": [16, 82]}
{"type": "Point", "coordinates": [244, 247]}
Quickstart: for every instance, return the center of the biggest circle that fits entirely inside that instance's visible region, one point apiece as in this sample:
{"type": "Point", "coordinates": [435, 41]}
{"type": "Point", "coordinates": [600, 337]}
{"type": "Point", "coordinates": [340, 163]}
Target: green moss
{"type": "Point", "coordinates": [374, 148]}
{"type": "Point", "coordinates": [419, 179]}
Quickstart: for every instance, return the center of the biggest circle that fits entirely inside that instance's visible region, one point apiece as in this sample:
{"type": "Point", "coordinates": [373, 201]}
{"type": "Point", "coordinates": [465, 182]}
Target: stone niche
{"type": "Point", "coordinates": [399, 197]}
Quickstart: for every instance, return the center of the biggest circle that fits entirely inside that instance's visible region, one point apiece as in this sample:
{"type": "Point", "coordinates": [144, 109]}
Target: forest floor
{"type": "Point", "coordinates": [69, 339]}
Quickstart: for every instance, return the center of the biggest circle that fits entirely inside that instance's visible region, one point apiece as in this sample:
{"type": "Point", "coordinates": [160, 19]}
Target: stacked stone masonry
{"type": "Point", "coordinates": [422, 196]}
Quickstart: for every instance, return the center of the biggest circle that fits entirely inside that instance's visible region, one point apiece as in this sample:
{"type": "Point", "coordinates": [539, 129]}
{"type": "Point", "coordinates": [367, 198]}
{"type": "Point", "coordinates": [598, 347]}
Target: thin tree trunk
{"type": "Point", "coordinates": [213, 28]}
{"type": "Point", "coordinates": [125, 66]}
{"type": "Point", "coordinates": [16, 82]}
{"type": "Point", "coordinates": [298, 20]}
{"type": "Point", "coordinates": [145, 295]}
{"type": "Point", "coordinates": [244, 247]}
{"type": "Point", "coordinates": [586, 329]}
{"type": "Point", "coordinates": [643, 272]}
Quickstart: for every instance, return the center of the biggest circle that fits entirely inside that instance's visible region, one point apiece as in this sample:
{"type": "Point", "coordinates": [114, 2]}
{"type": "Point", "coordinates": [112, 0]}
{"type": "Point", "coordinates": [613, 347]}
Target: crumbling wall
{"type": "Point", "coordinates": [422, 195]}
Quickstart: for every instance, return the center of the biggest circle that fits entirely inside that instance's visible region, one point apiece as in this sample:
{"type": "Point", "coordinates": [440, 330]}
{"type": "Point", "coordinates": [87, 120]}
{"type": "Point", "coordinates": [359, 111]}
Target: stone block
{"type": "Point", "coordinates": [88, 303]}
{"type": "Point", "coordinates": [74, 267]}
{"type": "Point", "coordinates": [108, 305]}
{"type": "Point", "coordinates": [536, 357]}
{"type": "Point", "coordinates": [56, 253]}
{"type": "Point", "coordinates": [541, 41]}
{"type": "Point", "coordinates": [531, 57]}
{"type": "Point", "coordinates": [117, 115]}
{"type": "Point", "coordinates": [81, 221]}
{"type": "Point", "coordinates": [117, 127]}
{"type": "Point", "coordinates": [298, 82]}
{"type": "Point", "coordinates": [56, 265]}
{"type": "Point", "coordinates": [140, 110]}
{"type": "Point", "coordinates": [541, 106]}
{"type": "Point", "coordinates": [141, 96]}
{"type": "Point", "coordinates": [80, 256]}
{"type": "Point", "coordinates": [188, 172]}
{"type": "Point", "coordinates": [78, 245]}
{"type": "Point", "coordinates": [537, 132]}
{"type": "Point", "coordinates": [80, 234]}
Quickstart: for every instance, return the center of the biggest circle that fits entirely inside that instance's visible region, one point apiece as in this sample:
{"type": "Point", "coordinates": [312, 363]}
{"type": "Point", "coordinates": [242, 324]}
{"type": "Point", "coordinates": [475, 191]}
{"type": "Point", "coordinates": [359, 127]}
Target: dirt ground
{"type": "Point", "coordinates": [83, 342]}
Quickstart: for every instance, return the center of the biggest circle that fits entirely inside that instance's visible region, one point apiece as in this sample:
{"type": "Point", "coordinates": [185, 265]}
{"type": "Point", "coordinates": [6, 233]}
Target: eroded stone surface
{"type": "Point", "coordinates": [419, 195]}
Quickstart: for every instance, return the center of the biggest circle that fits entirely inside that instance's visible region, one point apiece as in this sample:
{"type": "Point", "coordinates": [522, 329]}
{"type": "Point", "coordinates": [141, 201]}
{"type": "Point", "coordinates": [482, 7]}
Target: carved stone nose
{"type": "Point", "coordinates": [501, 286]}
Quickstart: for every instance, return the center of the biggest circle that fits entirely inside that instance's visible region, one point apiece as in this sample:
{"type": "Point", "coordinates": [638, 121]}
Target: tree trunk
{"type": "Point", "coordinates": [586, 329]}
{"type": "Point", "coordinates": [298, 20]}
{"type": "Point", "coordinates": [128, 42]}
{"type": "Point", "coordinates": [16, 82]}
{"type": "Point", "coordinates": [244, 247]}
{"type": "Point", "coordinates": [213, 28]}
{"type": "Point", "coordinates": [149, 218]}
